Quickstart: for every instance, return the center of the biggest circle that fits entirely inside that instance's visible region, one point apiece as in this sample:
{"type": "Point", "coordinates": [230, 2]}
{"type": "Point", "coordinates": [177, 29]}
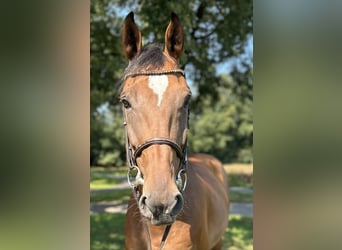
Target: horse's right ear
{"type": "Point", "coordinates": [131, 37]}
{"type": "Point", "coordinates": [174, 37]}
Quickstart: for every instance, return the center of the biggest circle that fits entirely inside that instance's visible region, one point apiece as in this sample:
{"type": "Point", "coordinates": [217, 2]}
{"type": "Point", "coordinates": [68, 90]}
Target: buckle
{"type": "Point", "coordinates": [134, 177]}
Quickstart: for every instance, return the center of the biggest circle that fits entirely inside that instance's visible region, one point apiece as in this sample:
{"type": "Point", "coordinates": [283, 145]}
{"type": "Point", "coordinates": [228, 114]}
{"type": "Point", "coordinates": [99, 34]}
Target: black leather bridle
{"type": "Point", "coordinates": [132, 156]}
{"type": "Point", "coordinates": [134, 176]}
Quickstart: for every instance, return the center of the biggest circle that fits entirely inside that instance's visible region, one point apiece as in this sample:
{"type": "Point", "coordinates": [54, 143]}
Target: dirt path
{"type": "Point", "coordinates": [244, 209]}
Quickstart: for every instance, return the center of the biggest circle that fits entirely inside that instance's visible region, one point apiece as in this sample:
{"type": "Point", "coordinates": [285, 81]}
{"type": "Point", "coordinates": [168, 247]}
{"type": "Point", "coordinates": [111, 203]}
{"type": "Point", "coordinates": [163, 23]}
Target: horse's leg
{"type": "Point", "coordinates": [218, 246]}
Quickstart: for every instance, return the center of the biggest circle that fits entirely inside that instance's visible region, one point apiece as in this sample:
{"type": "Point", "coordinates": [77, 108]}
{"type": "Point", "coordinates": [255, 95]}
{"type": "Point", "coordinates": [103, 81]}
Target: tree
{"type": "Point", "coordinates": [216, 31]}
{"type": "Point", "coordinates": [224, 127]}
{"type": "Point", "coordinates": [106, 65]}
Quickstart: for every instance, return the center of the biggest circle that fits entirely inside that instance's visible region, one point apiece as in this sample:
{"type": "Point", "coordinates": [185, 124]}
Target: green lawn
{"type": "Point", "coordinates": [240, 180]}
{"type": "Point", "coordinates": [239, 234]}
{"type": "Point", "coordinates": [103, 183]}
{"type": "Point", "coordinates": [117, 195]}
{"type": "Point", "coordinates": [240, 197]}
{"type": "Point", "coordinates": [123, 196]}
{"type": "Point", "coordinates": [107, 230]}
{"type": "Point", "coordinates": [103, 178]}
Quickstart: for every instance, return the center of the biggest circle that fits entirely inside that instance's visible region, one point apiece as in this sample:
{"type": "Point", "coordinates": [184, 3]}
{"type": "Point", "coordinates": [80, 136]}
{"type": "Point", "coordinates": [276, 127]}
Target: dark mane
{"type": "Point", "coordinates": [150, 58]}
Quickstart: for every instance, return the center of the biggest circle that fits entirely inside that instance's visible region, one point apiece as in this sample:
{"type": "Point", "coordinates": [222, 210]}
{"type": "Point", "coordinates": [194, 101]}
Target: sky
{"type": "Point", "coordinates": [247, 56]}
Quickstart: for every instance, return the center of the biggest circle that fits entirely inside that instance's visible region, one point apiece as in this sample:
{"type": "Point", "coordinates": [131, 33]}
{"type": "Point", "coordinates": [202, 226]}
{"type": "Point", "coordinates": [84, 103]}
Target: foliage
{"type": "Point", "coordinates": [216, 32]}
{"type": "Point", "coordinates": [224, 126]}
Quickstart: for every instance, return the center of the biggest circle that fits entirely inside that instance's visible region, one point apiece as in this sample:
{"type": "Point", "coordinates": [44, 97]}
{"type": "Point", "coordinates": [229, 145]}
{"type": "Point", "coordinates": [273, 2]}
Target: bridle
{"type": "Point", "coordinates": [133, 155]}
{"type": "Point", "coordinates": [134, 175]}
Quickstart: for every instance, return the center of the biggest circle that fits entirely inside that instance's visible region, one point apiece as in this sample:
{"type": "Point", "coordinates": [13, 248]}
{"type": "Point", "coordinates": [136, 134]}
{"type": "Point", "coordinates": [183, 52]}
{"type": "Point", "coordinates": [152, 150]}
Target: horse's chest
{"type": "Point", "coordinates": [180, 237]}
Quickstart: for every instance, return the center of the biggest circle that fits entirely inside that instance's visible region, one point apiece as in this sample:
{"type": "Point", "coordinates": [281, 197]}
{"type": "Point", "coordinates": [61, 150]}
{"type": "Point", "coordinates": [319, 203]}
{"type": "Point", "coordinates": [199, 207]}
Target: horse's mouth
{"type": "Point", "coordinates": [163, 219]}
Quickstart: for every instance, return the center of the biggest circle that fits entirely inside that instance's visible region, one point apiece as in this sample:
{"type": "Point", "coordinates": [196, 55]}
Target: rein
{"type": "Point", "coordinates": [132, 156]}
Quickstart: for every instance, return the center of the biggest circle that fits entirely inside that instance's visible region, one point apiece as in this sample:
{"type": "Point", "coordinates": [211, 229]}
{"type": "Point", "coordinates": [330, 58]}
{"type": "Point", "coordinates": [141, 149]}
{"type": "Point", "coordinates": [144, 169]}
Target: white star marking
{"type": "Point", "coordinates": [158, 84]}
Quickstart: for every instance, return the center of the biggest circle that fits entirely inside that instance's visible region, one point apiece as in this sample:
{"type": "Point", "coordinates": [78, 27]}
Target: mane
{"type": "Point", "coordinates": [150, 58]}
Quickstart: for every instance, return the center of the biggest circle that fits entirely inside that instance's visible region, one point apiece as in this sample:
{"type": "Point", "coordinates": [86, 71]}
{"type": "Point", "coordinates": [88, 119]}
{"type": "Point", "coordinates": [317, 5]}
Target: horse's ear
{"type": "Point", "coordinates": [131, 37]}
{"type": "Point", "coordinates": [174, 37]}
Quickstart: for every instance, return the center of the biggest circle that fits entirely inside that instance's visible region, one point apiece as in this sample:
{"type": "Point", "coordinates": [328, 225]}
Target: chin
{"type": "Point", "coordinates": [162, 220]}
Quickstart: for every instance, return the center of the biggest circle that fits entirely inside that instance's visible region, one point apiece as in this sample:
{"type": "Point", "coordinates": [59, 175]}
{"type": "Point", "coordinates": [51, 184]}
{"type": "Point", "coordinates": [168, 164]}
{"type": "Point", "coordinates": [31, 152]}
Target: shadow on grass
{"type": "Point", "coordinates": [107, 231]}
{"type": "Point", "coordinates": [239, 234]}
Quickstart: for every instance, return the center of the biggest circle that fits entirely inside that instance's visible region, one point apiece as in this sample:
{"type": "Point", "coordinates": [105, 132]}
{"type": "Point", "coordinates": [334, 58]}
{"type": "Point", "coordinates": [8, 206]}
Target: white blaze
{"type": "Point", "coordinates": [158, 84]}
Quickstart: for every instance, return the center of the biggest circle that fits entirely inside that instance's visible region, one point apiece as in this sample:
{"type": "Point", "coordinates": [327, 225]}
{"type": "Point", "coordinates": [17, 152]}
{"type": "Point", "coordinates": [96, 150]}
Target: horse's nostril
{"type": "Point", "coordinates": [143, 200]}
{"type": "Point", "coordinates": [178, 205]}
{"type": "Point", "coordinates": [154, 207]}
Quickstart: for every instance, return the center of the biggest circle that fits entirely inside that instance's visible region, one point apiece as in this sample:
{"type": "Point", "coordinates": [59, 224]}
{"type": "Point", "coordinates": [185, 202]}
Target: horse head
{"type": "Point", "coordinates": [155, 98]}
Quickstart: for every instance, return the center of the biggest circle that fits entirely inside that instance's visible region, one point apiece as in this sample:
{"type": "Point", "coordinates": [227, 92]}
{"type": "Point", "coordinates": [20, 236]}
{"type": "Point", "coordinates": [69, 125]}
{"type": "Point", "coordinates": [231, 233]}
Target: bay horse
{"type": "Point", "coordinates": [177, 202]}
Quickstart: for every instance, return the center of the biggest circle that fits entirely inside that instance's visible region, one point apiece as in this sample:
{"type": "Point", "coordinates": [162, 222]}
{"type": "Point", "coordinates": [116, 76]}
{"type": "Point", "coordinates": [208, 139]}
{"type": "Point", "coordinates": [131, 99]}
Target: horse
{"type": "Point", "coordinates": [178, 201]}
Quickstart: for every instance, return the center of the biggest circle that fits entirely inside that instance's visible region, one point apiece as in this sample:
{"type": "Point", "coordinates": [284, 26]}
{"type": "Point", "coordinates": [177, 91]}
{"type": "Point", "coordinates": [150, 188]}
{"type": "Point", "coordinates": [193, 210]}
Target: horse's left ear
{"type": "Point", "coordinates": [174, 37]}
{"type": "Point", "coordinates": [131, 37]}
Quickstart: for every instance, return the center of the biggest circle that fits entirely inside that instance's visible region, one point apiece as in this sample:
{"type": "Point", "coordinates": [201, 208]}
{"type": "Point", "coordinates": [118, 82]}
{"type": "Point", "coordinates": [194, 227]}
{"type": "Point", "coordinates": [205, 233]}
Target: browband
{"type": "Point", "coordinates": [154, 73]}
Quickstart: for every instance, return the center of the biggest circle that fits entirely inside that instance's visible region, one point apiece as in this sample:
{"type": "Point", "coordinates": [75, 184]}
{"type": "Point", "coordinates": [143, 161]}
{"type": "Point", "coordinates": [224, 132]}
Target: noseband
{"type": "Point", "coordinates": [134, 175]}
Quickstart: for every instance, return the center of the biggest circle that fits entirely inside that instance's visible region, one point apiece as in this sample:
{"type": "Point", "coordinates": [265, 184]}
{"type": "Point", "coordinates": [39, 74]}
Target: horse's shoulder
{"type": "Point", "coordinates": [213, 182]}
{"type": "Point", "coordinates": [210, 163]}
{"type": "Point", "coordinates": [205, 158]}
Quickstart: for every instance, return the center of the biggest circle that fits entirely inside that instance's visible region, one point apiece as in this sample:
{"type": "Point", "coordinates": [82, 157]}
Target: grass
{"type": "Point", "coordinates": [120, 171]}
{"type": "Point", "coordinates": [124, 194]}
{"type": "Point", "coordinates": [107, 232]}
{"type": "Point", "coordinates": [103, 183]}
{"type": "Point", "coordinates": [117, 195]}
{"type": "Point", "coordinates": [240, 197]}
{"type": "Point", "coordinates": [239, 180]}
{"type": "Point", "coordinates": [240, 175]}
{"type": "Point", "coordinates": [103, 178]}
{"type": "Point", "coordinates": [239, 234]}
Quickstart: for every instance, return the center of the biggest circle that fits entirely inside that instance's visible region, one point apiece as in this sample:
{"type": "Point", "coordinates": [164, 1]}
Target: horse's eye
{"type": "Point", "coordinates": [186, 101]}
{"type": "Point", "coordinates": [125, 103]}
